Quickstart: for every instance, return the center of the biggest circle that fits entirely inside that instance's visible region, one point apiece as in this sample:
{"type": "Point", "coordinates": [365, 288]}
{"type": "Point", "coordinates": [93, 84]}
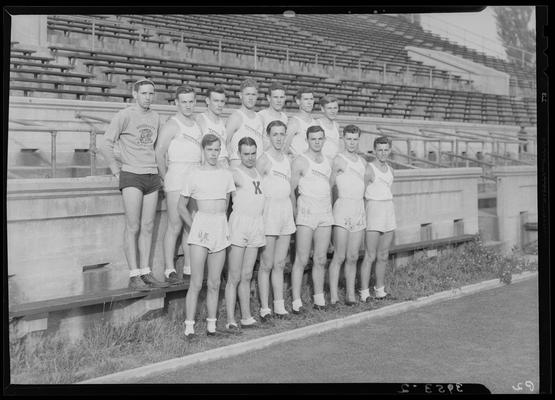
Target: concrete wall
{"type": "Point", "coordinates": [437, 197]}
{"type": "Point", "coordinates": [516, 193]}
{"type": "Point", "coordinates": [29, 30]}
{"type": "Point", "coordinates": [57, 226]}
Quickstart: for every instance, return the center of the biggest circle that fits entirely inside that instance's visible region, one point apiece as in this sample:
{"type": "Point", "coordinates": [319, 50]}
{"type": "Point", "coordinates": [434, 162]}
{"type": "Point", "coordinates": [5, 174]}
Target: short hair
{"type": "Point", "coordinates": [277, 122]}
{"type": "Point", "coordinates": [382, 140]}
{"type": "Point", "coordinates": [328, 99]}
{"type": "Point", "coordinates": [246, 141]}
{"type": "Point", "coordinates": [249, 82]}
{"type": "Point", "coordinates": [351, 129]}
{"type": "Point", "coordinates": [302, 90]}
{"type": "Point", "coordinates": [215, 89]}
{"type": "Point", "coordinates": [275, 86]}
{"type": "Point", "coordinates": [142, 82]}
{"type": "Point", "coordinates": [183, 89]}
{"type": "Point", "coordinates": [315, 128]}
{"type": "Point", "coordinates": [209, 138]}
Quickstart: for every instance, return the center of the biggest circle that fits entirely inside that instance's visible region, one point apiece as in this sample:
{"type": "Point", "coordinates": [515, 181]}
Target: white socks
{"type": "Point", "coordinates": [279, 307]}
{"type": "Point", "coordinates": [297, 304]}
{"type": "Point", "coordinates": [187, 269]}
{"type": "Point", "coordinates": [189, 327]}
{"type": "Point", "coordinates": [380, 292]}
{"type": "Point", "coordinates": [265, 311]}
{"type": "Point", "coordinates": [134, 272]}
{"type": "Point", "coordinates": [211, 324]}
{"type": "Point", "coordinates": [364, 294]}
{"type": "Point", "coordinates": [249, 321]}
{"type": "Point", "coordinates": [168, 271]}
{"type": "Point", "coordinates": [319, 299]}
{"type": "Point", "coordinates": [144, 271]}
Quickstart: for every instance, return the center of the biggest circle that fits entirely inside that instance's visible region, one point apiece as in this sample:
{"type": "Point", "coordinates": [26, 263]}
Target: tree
{"type": "Point", "coordinates": [513, 29]}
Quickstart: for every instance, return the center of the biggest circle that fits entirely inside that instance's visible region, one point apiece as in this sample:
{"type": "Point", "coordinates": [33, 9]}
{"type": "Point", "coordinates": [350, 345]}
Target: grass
{"type": "Point", "coordinates": [50, 359]}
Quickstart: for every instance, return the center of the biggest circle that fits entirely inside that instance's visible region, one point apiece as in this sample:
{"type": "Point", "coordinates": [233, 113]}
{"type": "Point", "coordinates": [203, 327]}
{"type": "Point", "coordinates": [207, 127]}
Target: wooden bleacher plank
{"type": "Point", "coordinates": [103, 297]}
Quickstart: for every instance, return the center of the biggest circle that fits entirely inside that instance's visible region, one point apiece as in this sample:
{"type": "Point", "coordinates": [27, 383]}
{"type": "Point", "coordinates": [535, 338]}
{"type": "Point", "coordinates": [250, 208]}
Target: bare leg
{"type": "Point", "coordinates": [173, 229]}
{"type": "Point", "coordinates": [303, 243]}
{"type": "Point", "coordinates": [382, 257]}
{"type": "Point", "coordinates": [150, 201]}
{"type": "Point", "coordinates": [372, 238]}
{"type": "Point", "coordinates": [132, 204]}
{"type": "Point", "coordinates": [234, 263]}
{"type": "Point", "coordinates": [280, 254]}
{"type": "Point", "coordinates": [249, 258]}
{"type": "Point", "coordinates": [322, 237]}
{"type": "Point", "coordinates": [353, 251]}
{"type": "Point", "coordinates": [340, 248]}
{"type": "Point", "coordinates": [264, 270]}
{"type": "Point", "coordinates": [198, 258]}
{"type": "Point", "coordinates": [215, 265]}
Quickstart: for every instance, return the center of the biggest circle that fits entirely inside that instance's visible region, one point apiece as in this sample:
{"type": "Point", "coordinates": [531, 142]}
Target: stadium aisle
{"type": "Point", "coordinates": [489, 338]}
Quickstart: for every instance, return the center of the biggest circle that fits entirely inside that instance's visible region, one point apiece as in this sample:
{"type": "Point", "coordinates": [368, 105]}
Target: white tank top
{"type": "Point", "coordinates": [267, 118]}
{"type": "Point", "coordinates": [185, 146]}
{"type": "Point", "coordinates": [251, 127]}
{"type": "Point", "coordinates": [350, 184]}
{"type": "Point", "coordinates": [217, 129]}
{"type": "Point", "coordinates": [331, 145]}
{"type": "Point", "coordinates": [380, 189]}
{"type": "Point", "coordinates": [316, 180]}
{"type": "Point", "coordinates": [249, 198]}
{"type": "Point", "coordinates": [298, 143]}
{"type": "Point", "coordinates": [277, 182]}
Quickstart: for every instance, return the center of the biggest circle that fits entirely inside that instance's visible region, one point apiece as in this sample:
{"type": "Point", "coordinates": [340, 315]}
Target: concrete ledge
{"type": "Point", "coordinates": [266, 341]}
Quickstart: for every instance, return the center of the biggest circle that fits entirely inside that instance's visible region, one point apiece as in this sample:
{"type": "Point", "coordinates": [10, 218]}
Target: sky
{"type": "Point", "coordinates": [474, 30]}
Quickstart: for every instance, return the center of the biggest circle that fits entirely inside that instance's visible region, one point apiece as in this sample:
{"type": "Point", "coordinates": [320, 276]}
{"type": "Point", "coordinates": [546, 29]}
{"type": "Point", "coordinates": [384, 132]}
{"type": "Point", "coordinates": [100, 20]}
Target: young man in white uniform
{"type": "Point", "coordinates": [380, 219]}
{"type": "Point", "coordinates": [311, 174]}
{"type": "Point", "coordinates": [348, 213]}
{"type": "Point", "coordinates": [246, 226]}
{"type": "Point", "coordinates": [279, 224]}
{"type": "Point", "coordinates": [177, 152]}
{"type": "Point", "coordinates": [274, 112]}
{"type": "Point", "coordinates": [295, 142]}
{"type": "Point", "coordinates": [210, 121]}
{"type": "Point", "coordinates": [210, 185]}
{"type": "Point", "coordinates": [244, 122]}
{"type": "Point", "coordinates": [330, 108]}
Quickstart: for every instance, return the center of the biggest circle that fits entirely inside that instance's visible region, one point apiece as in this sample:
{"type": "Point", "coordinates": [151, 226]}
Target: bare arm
{"type": "Point", "coordinates": [263, 165]}
{"type": "Point", "coordinates": [184, 211]}
{"type": "Point", "coordinates": [167, 133]}
{"type": "Point", "coordinates": [337, 168]}
{"type": "Point", "coordinates": [297, 171]}
{"type": "Point", "coordinates": [110, 137]}
{"type": "Point", "coordinates": [292, 128]}
{"type": "Point", "coordinates": [368, 175]}
{"type": "Point", "coordinates": [232, 124]}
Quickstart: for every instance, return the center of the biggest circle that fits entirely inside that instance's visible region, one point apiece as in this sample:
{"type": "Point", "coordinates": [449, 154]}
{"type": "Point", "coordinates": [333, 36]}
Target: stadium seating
{"type": "Point", "coordinates": [113, 72]}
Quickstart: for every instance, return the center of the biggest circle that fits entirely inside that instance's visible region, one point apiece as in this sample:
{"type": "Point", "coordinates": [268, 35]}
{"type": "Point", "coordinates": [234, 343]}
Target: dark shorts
{"type": "Point", "coordinates": [146, 183]}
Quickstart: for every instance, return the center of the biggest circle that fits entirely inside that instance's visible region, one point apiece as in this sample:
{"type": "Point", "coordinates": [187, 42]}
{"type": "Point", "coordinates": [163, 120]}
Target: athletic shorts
{"type": "Point", "coordinates": [176, 175]}
{"type": "Point", "coordinates": [349, 214]}
{"type": "Point", "coordinates": [210, 231]}
{"type": "Point", "coordinates": [380, 215]}
{"type": "Point", "coordinates": [278, 217]}
{"type": "Point", "coordinates": [314, 212]}
{"type": "Point", "coordinates": [246, 231]}
{"type": "Point", "coordinates": [146, 183]}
